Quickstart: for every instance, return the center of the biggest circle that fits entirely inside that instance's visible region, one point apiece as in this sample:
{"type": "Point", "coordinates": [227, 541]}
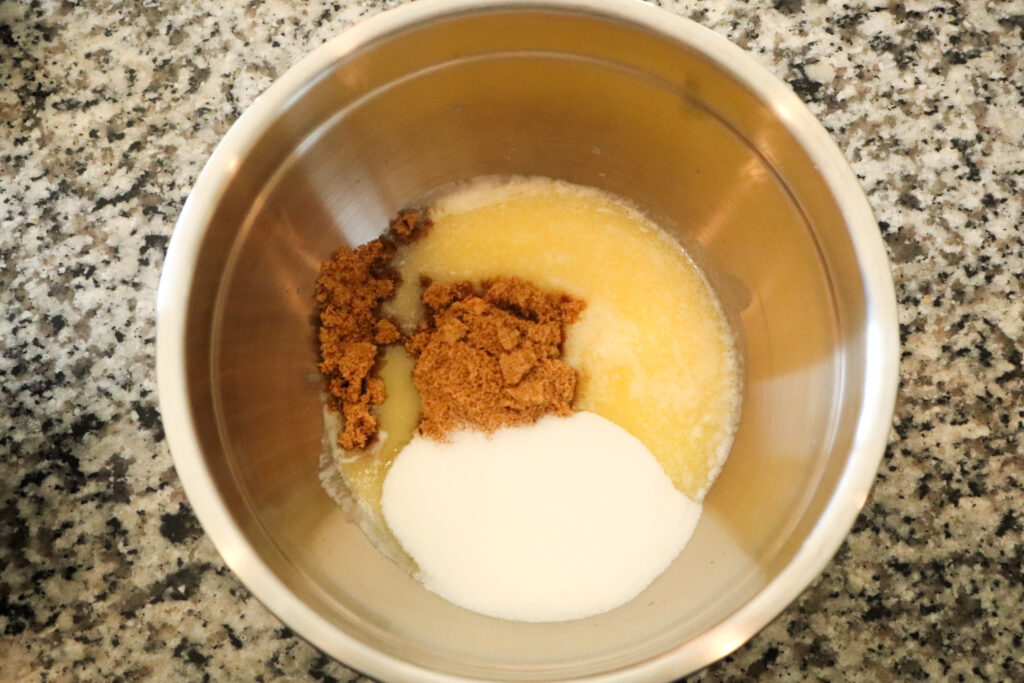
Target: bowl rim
{"type": "Point", "coordinates": [881, 335]}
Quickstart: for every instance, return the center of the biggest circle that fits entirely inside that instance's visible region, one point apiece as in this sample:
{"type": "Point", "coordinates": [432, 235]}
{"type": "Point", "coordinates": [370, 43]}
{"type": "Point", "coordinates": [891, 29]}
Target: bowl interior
{"type": "Point", "coordinates": [570, 95]}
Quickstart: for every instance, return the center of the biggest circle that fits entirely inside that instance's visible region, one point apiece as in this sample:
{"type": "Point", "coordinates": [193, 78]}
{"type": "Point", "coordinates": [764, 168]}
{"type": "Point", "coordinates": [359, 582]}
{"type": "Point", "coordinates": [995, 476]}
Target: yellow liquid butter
{"type": "Point", "coordinates": [652, 349]}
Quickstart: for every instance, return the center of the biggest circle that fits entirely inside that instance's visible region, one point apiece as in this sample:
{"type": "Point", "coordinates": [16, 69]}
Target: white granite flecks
{"type": "Point", "coordinates": [107, 112]}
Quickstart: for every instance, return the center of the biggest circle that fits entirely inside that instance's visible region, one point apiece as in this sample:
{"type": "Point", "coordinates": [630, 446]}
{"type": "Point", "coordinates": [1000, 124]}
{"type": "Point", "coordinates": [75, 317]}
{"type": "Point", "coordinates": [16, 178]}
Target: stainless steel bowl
{"type": "Point", "coordinates": [617, 95]}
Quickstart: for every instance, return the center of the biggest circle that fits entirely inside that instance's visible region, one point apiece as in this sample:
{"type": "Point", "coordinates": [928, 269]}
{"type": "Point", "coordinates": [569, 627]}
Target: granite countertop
{"type": "Point", "coordinates": [108, 111]}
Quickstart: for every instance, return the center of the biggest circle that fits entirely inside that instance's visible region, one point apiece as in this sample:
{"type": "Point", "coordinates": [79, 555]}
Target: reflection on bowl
{"type": "Point", "coordinates": [615, 95]}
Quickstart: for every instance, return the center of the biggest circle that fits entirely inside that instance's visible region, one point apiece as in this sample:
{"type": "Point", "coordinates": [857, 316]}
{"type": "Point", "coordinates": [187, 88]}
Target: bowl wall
{"type": "Point", "coordinates": [601, 97]}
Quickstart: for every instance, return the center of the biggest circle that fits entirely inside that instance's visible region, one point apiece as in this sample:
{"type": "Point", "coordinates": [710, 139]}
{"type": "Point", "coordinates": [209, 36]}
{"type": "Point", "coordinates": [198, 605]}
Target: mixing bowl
{"type": "Point", "coordinates": [617, 95]}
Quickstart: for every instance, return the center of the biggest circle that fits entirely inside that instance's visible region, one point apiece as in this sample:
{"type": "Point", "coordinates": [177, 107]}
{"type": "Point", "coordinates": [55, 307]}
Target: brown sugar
{"type": "Point", "coordinates": [486, 357]}
{"type": "Point", "coordinates": [491, 358]}
{"type": "Point", "coordinates": [349, 290]}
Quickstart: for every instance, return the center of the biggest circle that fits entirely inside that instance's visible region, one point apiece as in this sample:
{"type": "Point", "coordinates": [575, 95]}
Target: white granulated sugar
{"type": "Point", "coordinates": [560, 520]}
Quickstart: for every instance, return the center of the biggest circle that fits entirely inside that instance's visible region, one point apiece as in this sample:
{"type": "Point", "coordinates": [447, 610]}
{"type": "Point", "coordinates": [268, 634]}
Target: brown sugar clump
{"type": "Point", "coordinates": [409, 226]}
{"type": "Point", "coordinates": [349, 291]}
{"type": "Point", "coordinates": [492, 358]}
{"type": "Point", "coordinates": [485, 358]}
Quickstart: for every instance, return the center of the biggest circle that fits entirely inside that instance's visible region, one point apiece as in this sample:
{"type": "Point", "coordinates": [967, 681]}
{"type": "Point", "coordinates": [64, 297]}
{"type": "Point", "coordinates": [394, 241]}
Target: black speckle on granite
{"type": "Point", "coordinates": [789, 6]}
{"type": "Point", "coordinates": [107, 114]}
{"type": "Point", "coordinates": [178, 585]}
{"type": "Point", "coordinates": [763, 664]}
{"type": "Point", "coordinates": [180, 526]}
{"type": "Point", "coordinates": [233, 638]}
{"type": "Point", "coordinates": [17, 615]}
{"type": "Point", "coordinates": [1016, 21]}
{"type": "Point", "coordinates": [803, 86]}
{"type": "Point", "coordinates": [6, 37]}
{"type": "Point", "coordinates": [190, 653]}
{"type": "Point", "coordinates": [149, 419]}
{"type": "Point", "coordinates": [158, 242]}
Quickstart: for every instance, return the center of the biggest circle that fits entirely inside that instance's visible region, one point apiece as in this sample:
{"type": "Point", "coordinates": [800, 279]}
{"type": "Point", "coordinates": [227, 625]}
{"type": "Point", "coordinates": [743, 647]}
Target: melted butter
{"type": "Point", "coordinates": [653, 350]}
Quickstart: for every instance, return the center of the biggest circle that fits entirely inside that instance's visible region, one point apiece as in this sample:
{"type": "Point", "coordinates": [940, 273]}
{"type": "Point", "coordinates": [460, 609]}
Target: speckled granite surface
{"type": "Point", "coordinates": [109, 109]}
